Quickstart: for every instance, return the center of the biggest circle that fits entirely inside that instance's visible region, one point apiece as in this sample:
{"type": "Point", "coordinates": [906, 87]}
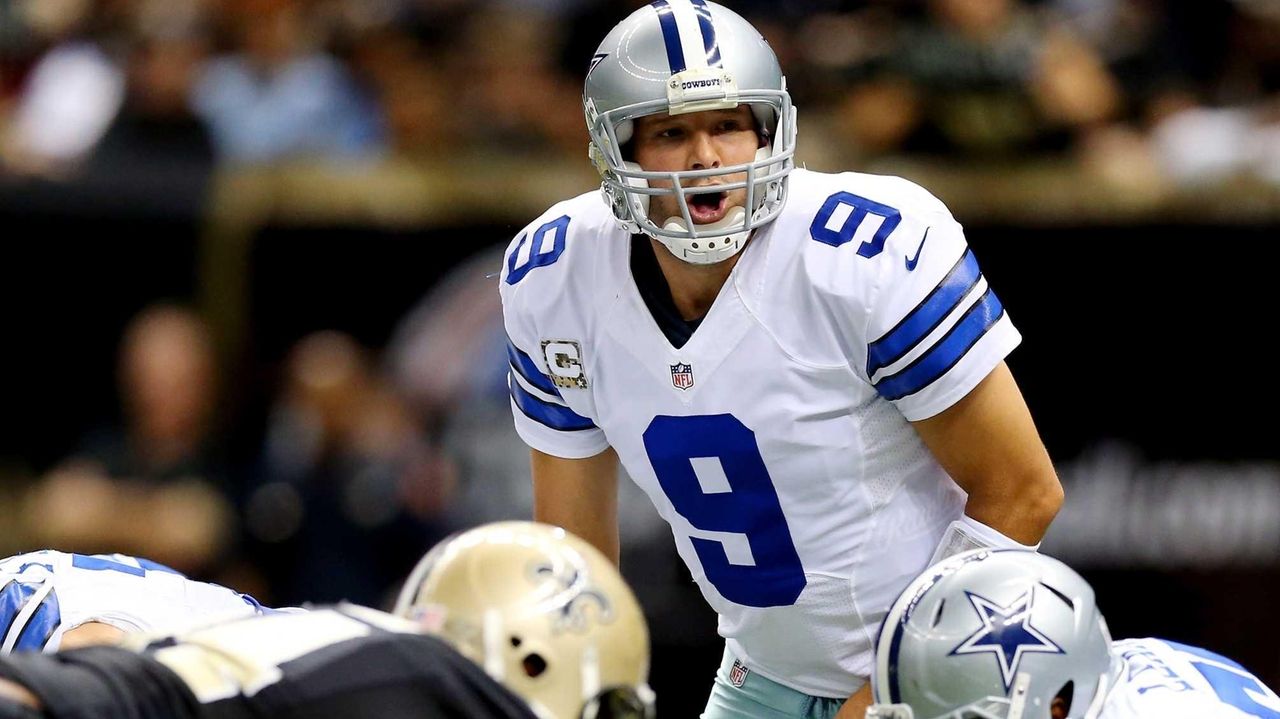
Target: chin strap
{"type": "Point", "coordinates": [711, 248]}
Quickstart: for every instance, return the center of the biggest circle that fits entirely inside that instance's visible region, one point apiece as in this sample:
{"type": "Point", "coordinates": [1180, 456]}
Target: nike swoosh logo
{"type": "Point", "coordinates": [913, 261]}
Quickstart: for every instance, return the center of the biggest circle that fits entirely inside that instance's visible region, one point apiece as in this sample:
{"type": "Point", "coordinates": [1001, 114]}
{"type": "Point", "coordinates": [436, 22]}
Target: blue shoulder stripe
{"type": "Point", "coordinates": [552, 415]}
{"type": "Point", "coordinates": [13, 598]}
{"type": "Point", "coordinates": [927, 315]}
{"type": "Point", "coordinates": [670, 36]}
{"type": "Point", "coordinates": [532, 373]}
{"type": "Point", "coordinates": [40, 626]}
{"type": "Point", "coordinates": [946, 352]}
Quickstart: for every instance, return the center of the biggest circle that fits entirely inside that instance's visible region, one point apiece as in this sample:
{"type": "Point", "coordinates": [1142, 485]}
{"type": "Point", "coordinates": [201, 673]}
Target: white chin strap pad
{"type": "Point", "coordinates": [707, 249]}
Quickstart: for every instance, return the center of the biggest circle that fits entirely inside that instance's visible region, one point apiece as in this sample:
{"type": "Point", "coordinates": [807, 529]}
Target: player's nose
{"type": "Point", "coordinates": [703, 153]}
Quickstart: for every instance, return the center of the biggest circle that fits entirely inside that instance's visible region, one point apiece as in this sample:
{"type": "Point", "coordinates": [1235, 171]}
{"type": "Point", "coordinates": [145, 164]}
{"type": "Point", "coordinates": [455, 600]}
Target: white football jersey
{"type": "Point", "coordinates": [1166, 680]}
{"type": "Point", "coordinates": [44, 594]}
{"type": "Point", "coordinates": [776, 441]}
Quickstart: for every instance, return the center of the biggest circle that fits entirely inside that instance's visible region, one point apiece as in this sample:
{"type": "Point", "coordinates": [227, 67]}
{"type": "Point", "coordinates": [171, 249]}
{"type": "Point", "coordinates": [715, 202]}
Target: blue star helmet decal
{"type": "Point", "coordinates": [1007, 633]}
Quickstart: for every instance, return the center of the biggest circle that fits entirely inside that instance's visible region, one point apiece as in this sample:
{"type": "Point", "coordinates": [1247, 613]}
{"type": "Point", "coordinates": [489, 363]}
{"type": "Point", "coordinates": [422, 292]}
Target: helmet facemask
{"type": "Point", "coordinates": [628, 188]}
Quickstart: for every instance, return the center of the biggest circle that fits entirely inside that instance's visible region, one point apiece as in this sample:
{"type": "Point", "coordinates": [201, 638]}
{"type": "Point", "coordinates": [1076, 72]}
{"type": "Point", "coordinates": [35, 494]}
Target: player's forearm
{"type": "Point", "coordinates": [600, 529]}
{"type": "Point", "coordinates": [580, 495]}
{"type": "Point", "coordinates": [1022, 508]}
{"type": "Point", "coordinates": [989, 445]}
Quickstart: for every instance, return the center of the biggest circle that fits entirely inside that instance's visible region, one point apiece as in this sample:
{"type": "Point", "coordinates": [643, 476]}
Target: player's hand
{"type": "Point", "coordinates": [855, 707]}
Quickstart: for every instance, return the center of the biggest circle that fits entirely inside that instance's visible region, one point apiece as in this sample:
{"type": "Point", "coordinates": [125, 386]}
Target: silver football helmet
{"type": "Point", "coordinates": [677, 57]}
{"type": "Point", "coordinates": [993, 634]}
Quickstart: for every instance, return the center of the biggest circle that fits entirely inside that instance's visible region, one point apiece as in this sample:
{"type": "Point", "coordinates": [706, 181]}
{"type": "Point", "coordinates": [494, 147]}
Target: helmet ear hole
{"type": "Point", "coordinates": [1061, 705]}
{"type": "Point", "coordinates": [534, 665]}
{"type": "Point", "coordinates": [937, 614]}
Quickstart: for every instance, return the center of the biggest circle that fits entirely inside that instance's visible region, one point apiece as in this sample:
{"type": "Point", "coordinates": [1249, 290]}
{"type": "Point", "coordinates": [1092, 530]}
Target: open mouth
{"type": "Point", "coordinates": [707, 207]}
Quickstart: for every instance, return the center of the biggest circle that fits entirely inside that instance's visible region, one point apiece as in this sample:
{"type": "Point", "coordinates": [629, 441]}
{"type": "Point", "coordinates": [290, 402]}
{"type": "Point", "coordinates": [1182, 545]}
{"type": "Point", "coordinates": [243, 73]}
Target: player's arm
{"type": "Point", "coordinates": [13, 693]}
{"type": "Point", "coordinates": [90, 634]}
{"type": "Point", "coordinates": [988, 443]}
{"type": "Point", "coordinates": [98, 682]}
{"type": "Point", "coordinates": [580, 495]}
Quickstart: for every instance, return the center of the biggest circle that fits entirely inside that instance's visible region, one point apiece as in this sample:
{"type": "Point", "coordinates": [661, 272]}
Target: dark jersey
{"type": "Point", "coordinates": [334, 663]}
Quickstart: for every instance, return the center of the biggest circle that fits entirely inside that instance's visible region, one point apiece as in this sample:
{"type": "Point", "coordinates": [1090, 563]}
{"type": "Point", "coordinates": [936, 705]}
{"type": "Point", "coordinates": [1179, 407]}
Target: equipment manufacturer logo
{"type": "Point", "coordinates": [913, 261]}
{"type": "Point", "coordinates": [681, 376]}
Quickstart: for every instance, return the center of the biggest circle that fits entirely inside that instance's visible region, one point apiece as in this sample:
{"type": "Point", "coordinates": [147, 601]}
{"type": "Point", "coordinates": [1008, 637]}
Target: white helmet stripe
{"type": "Point", "coordinates": [695, 54]}
{"type": "Point", "coordinates": [710, 45]}
{"type": "Point", "coordinates": [688, 33]}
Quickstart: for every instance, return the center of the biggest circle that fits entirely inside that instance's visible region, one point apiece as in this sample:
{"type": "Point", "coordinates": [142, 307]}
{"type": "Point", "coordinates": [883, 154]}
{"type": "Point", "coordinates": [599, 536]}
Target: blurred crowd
{"type": "Point", "coordinates": [359, 459]}
{"type": "Point", "coordinates": [1146, 90]}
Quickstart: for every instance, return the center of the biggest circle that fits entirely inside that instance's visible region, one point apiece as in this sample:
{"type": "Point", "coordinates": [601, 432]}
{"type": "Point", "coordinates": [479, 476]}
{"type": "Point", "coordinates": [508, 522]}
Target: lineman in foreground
{"type": "Point", "coordinates": [514, 620]}
{"type": "Point", "coordinates": [1011, 634]}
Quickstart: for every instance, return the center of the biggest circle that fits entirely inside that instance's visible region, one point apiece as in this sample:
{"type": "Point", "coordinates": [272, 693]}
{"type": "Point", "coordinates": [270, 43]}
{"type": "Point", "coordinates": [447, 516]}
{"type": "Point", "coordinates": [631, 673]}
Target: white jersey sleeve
{"type": "Point", "coordinates": [931, 327]}
{"type": "Point", "coordinates": [1161, 679]}
{"type": "Point", "coordinates": [48, 593]}
{"type": "Point", "coordinates": [547, 373]}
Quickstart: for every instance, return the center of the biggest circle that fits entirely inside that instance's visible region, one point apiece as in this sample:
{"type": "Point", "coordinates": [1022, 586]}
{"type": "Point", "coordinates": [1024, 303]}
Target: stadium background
{"type": "Point", "coordinates": [300, 202]}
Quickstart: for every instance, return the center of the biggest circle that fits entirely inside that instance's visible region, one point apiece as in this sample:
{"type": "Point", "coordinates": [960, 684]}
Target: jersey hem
{"type": "Point", "coordinates": [813, 690]}
{"type": "Point", "coordinates": [538, 440]}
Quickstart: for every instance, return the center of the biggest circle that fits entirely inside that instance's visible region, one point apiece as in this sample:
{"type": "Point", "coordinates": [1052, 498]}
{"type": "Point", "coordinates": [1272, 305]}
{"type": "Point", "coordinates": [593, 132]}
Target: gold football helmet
{"type": "Point", "coordinates": [543, 612]}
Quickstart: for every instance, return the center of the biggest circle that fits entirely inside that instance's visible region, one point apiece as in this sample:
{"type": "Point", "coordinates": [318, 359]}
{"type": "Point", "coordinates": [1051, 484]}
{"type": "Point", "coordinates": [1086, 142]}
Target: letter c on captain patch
{"type": "Point", "coordinates": [564, 360]}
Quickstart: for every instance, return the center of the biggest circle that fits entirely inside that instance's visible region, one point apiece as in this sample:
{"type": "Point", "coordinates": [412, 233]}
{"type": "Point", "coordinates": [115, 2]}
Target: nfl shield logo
{"type": "Point", "coordinates": [738, 674]}
{"type": "Point", "coordinates": [682, 376]}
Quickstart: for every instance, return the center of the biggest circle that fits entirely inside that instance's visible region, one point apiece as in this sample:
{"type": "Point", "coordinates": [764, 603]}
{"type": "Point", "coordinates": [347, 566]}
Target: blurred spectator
{"type": "Point", "coordinates": [70, 95]}
{"type": "Point", "coordinates": [155, 485]}
{"type": "Point", "coordinates": [155, 130]}
{"type": "Point", "coordinates": [413, 92]}
{"type": "Point", "coordinates": [350, 495]}
{"type": "Point", "coordinates": [279, 95]}
{"type": "Point", "coordinates": [511, 93]}
{"type": "Point", "coordinates": [979, 79]}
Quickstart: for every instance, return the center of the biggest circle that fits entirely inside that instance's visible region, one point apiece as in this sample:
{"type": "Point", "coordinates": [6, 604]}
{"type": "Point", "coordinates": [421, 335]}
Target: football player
{"type": "Point", "coordinates": [530, 623]}
{"type": "Point", "coordinates": [804, 371]}
{"type": "Point", "coordinates": [50, 600]}
{"type": "Point", "coordinates": [1011, 634]}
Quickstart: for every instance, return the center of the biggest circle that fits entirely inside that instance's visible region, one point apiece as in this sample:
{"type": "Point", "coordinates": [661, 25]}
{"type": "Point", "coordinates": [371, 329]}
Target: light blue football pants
{"type": "Point", "coordinates": [761, 698]}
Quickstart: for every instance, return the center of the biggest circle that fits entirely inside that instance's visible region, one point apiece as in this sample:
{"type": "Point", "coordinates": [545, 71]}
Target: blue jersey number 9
{"type": "Point", "coordinates": [710, 468]}
{"type": "Point", "coordinates": [537, 251]}
{"type": "Point", "coordinates": [859, 208]}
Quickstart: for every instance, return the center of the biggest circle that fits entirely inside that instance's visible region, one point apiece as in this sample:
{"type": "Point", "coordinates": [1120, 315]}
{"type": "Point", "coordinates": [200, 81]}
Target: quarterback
{"type": "Point", "coordinates": [51, 600]}
{"type": "Point", "coordinates": [1010, 634]}
{"type": "Point", "coordinates": [804, 371]}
